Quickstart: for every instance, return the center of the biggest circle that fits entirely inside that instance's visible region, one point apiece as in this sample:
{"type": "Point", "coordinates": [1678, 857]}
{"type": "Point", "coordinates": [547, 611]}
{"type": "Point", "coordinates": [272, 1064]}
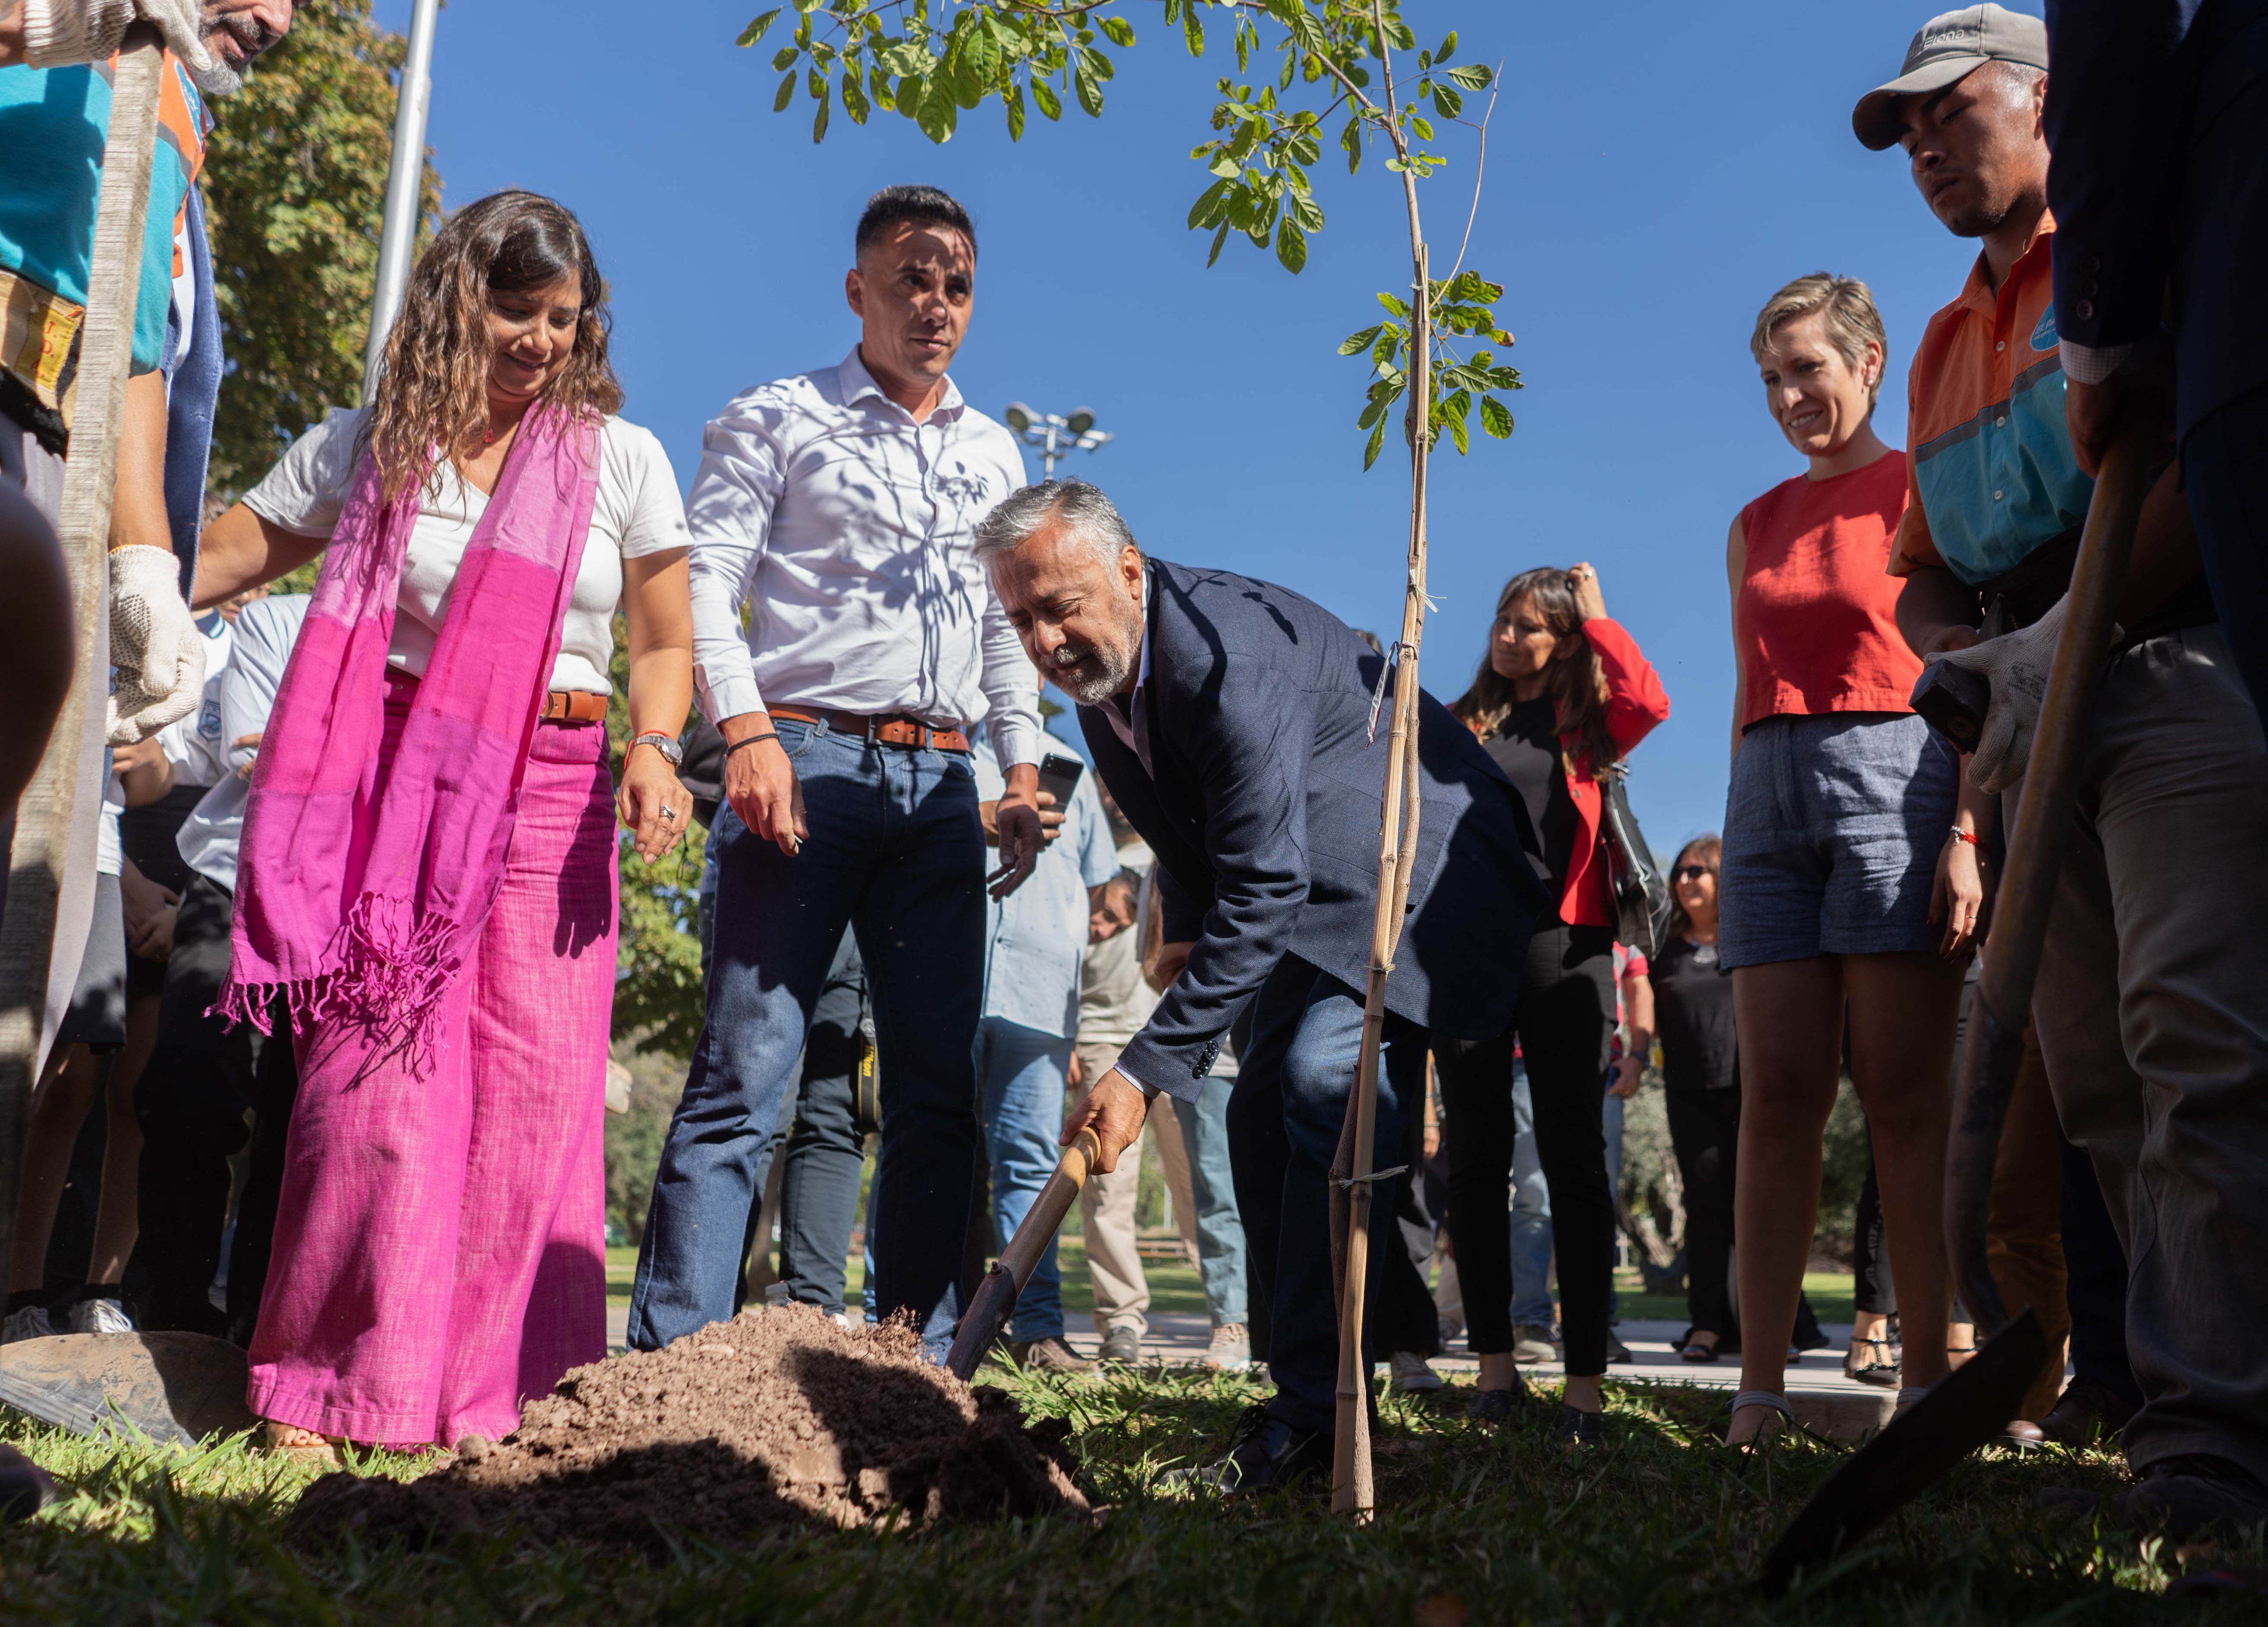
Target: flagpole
{"type": "Point", "coordinates": [405, 184]}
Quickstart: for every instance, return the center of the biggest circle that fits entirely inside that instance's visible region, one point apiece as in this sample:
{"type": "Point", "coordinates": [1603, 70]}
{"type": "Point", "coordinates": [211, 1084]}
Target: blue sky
{"type": "Point", "coordinates": [1656, 171]}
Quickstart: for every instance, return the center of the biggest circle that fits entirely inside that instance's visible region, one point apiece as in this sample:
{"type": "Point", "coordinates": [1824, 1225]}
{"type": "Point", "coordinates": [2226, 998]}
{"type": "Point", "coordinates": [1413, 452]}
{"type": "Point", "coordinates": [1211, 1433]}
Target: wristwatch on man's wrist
{"type": "Point", "coordinates": [666, 745]}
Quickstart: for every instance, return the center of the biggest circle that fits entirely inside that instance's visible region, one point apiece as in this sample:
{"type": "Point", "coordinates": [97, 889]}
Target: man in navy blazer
{"type": "Point", "coordinates": [1231, 720]}
{"type": "Point", "coordinates": [2157, 115]}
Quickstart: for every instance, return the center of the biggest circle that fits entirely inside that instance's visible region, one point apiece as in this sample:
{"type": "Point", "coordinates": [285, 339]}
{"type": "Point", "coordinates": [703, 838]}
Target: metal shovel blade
{"type": "Point", "coordinates": [172, 1386]}
{"type": "Point", "coordinates": [1973, 1405]}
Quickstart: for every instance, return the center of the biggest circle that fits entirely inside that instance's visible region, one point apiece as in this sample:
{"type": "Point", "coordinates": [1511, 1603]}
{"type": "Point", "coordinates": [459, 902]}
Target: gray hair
{"type": "Point", "coordinates": [1092, 517]}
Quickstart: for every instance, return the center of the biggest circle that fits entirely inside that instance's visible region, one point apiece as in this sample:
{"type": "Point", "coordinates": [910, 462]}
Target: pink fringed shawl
{"type": "Point", "coordinates": [358, 889]}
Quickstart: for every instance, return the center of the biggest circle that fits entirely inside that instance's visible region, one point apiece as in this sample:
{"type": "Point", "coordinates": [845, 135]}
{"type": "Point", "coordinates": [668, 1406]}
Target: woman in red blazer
{"type": "Point", "coordinates": [1562, 697]}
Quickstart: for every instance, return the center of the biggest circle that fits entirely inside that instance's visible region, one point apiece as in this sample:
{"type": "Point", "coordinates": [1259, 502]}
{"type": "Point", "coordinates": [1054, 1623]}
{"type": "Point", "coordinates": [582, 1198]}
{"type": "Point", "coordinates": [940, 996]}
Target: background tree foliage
{"type": "Point", "coordinates": [295, 195]}
{"type": "Point", "coordinates": [659, 1001]}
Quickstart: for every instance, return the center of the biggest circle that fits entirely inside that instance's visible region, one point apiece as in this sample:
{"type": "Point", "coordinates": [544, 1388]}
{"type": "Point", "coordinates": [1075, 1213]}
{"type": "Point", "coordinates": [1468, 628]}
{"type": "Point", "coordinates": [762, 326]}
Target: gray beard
{"type": "Point", "coordinates": [1110, 677]}
{"type": "Point", "coordinates": [225, 77]}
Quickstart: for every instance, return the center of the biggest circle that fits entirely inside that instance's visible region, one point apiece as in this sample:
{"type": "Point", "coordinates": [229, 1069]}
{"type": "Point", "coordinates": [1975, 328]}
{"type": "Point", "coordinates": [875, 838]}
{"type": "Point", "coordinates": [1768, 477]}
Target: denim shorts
{"type": "Point", "coordinates": [1832, 829]}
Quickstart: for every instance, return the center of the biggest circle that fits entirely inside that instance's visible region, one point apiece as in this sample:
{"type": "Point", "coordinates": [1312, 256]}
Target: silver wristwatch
{"type": "Point", "coordinates": [665, 744]}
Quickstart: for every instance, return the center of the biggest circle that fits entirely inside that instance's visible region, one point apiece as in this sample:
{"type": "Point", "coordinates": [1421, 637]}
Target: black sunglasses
{"type": "Point", "coordinates": [1687, 872]}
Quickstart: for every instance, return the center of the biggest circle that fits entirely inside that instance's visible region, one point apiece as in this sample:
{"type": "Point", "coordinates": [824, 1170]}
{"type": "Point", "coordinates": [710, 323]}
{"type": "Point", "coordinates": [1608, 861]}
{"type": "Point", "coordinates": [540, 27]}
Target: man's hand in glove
{"type": "Point", "coordinates": [59, 32]}
{"type": "Point", "coordinates": [154, 644]}
{"type": "Point", "coordinates": [2016, 665]}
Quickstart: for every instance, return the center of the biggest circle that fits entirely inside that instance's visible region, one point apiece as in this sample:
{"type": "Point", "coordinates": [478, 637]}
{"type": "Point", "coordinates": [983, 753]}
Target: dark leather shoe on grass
{"type": "Point", "coordinates": [1264, 1455]}
{"type": "Point", "coordinates": [1499, 1406]}
{"type": "Point", "coordinates": [2085, 1413]}
{"type": "Point", "coordinates": [2192, 1495]}
{"type": "Point", "coordinates": [1578, 1428]}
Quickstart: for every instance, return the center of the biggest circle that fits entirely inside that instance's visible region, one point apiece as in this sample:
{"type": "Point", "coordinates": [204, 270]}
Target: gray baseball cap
{"type": "Point", "coordinates": [1947, 49]}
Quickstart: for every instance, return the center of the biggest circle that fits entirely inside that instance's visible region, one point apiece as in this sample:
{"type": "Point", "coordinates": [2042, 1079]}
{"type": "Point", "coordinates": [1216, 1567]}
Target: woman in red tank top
{"type": "Point", "coordinates": [1846, 893]}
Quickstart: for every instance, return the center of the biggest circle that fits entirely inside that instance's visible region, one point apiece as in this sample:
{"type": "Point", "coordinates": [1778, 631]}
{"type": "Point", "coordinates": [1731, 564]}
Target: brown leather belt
{"type": "Point", "coordinates": [893, 730]}
{"type": "Point", "coordinates": [574, 706]}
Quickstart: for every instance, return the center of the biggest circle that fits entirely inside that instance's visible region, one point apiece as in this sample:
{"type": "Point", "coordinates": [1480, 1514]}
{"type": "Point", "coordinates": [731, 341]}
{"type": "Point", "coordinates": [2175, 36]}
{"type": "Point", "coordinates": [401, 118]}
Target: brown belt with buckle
{"type": "Point", "coordinates": [893, 730]}
{"type": "Point", "coordinates": [574, 706]}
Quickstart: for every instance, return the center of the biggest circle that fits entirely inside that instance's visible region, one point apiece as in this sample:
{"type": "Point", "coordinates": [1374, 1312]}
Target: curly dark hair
{"type": "Point", "coordinates": [431, 406]}
{"type": "Point", "coordinates": [1578, 689]}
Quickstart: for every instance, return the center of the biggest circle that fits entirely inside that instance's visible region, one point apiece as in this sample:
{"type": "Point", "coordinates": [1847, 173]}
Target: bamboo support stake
{"type": "Point", "coordinates": [44, 818]}
{"type": "Point", "coordinates": [1351, 1487]}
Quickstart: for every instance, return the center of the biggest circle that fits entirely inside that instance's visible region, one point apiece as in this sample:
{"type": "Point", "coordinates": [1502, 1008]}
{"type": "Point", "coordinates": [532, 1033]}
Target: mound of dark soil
{"type": "Point", "coordinates": [770, 1420]}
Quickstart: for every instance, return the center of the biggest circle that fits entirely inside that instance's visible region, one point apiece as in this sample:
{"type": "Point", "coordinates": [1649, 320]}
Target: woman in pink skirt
{"type": "Point", "coordinates": [428, 880]}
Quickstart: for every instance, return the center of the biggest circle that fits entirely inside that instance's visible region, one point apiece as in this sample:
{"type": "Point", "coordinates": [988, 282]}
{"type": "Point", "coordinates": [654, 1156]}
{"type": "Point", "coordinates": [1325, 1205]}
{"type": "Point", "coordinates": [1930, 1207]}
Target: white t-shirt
{"type": "Point", "coordinates": [638, 512]}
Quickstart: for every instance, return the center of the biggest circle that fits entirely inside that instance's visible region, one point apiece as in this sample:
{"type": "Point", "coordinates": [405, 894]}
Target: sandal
{"type": "Point", "coordinates": [1758, 1398]}
{"type": "Point", "coordinates": [1694, 1351]}
{"type": "Point", "coordinates": [288, 1440]}
{"type": "Point", "coordinates": [1879, 1368]}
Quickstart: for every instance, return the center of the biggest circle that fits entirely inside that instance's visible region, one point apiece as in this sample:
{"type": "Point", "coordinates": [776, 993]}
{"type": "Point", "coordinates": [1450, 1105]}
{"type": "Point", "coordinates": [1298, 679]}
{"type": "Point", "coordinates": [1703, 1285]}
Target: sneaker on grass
{"type": "Point", "coordinates": [100, 1313]}
{"type": "Point", "coordinates": [26, 1321]}
{"type": "Point", "coordinates": [1531, 1343]}
{"type": "Point", "coordinates": [1413, 1375]}
{"type": "Point", "coordinates": [1053, 1354]}
{"type": "Point", "coordinates": [1231, 1350]}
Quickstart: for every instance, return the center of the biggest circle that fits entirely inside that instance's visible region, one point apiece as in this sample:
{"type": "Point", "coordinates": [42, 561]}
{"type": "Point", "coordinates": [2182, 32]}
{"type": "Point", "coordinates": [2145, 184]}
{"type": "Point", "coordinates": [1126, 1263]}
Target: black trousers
{"type": "Point", "coordinates": [1872, 1289]}
{"type": "Point", "coordinates": [1704, 1129]}
{"type": "Point", "coordinates": [1562, 1024]}
{"type": "Point", "coordinates": [2094, 1280]}
{"type": "Point", "coordinates": [191, 1101]}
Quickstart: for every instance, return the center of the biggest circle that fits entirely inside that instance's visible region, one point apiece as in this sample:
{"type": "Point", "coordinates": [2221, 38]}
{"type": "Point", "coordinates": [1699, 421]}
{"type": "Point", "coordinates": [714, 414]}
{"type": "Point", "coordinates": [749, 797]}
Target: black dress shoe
{"type": "Point", "coordinates": [1577, 1428]}
{"type": "Point", "coordinates": [2191, 1494]}
{"type": "Point", "coordinates": [2083, 1412]}
{"type": "Point", "coordinates": [1499, 1406]}
{"type": "Point", "coordinates": [1264, 1455]}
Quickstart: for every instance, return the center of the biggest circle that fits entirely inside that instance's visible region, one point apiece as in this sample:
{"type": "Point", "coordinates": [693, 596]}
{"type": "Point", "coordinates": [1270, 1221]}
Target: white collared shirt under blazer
{"type": "Point", "coordinates": [847, 531]}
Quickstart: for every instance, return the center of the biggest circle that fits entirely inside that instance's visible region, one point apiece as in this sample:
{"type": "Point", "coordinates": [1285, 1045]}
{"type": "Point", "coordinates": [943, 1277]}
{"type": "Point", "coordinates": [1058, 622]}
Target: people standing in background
{"type": "Point", "coordinates": [1192, 1142]}
{"type": "Point", "coordinates": [1852, 878]}
{"type": "Point", "coordinates": [205, 1073]}
{"type": "Point", "coordinates": [1035, 953]}
{"type": "Point", "coordinates": [1562, 695]}
{"type": "Point", "coordinates": [1701, 1090]}
{"type": "Point", "coordinates": [1626, 1059]}
{"type": "Point", "coordinates": [836, 508]}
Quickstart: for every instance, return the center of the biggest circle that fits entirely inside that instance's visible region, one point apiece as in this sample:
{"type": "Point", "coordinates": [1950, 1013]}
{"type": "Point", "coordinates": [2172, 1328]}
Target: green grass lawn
{"type": "Point", "coordinates": [1829, 1292]}
{"type": "Point", "coordinates": [1664, 1525]}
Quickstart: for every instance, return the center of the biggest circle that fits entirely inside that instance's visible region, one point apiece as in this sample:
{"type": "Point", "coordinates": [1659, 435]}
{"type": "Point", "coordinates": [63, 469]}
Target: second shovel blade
{"type": "Point", "coordinates": [1969, 1408]}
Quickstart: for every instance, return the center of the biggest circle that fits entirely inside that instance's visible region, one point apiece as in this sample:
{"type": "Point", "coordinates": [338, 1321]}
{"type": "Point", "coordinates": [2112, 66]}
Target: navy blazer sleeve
{"type": "Point", "coordinates": [1249, 749]}
{"type": "Point", "coordinates": [2119, 80]}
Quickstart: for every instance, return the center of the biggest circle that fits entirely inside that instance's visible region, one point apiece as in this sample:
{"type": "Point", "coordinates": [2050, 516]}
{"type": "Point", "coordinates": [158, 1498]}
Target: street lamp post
{"type": "Point", "coordinates": [405, 181]}
{"type": "Point", "coordinates": [1056, 437]}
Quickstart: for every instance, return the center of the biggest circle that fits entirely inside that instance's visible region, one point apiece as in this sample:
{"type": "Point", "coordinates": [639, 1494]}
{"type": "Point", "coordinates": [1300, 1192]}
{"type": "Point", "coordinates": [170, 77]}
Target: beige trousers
{"type": "Point", "coordinates": [1105, 1207]}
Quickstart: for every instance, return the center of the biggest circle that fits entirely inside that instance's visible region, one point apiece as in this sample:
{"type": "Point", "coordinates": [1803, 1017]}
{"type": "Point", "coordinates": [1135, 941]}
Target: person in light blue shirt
{"type": "Point", "coordinates": [1035, 942]}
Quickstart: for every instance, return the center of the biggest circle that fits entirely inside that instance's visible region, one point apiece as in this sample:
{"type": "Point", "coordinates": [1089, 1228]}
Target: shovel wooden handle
{"type": "Point", "coordinates": [1994, 1046]}
{"type": "Point", "coordinates": [995, 1300]}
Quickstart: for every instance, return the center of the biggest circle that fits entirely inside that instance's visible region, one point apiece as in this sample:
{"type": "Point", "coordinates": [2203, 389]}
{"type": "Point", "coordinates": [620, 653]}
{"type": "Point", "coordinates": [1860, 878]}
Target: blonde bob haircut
{"type": "Point", "coordinates": [1848, 306]}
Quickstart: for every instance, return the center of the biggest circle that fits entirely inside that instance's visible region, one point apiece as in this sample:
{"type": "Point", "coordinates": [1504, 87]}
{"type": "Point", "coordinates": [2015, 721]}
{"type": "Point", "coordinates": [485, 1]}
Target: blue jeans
{"type": "Point", "coordinates": [896, 853]}
{"type": "Point", "coordinates": [1212, 1189]}
{"type": "Point", "coordinates": [1020, 1070]}
{"type": "Point", "coordinates": [1531, 1213]}
{"type": "Point", "coordinates": [1284, 1120]}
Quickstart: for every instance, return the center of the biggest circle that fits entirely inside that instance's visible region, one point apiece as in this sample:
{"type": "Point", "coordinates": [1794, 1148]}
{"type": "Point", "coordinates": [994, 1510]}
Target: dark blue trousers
{"type": "Point", "coordinates": [1283, 1123]}
{"type": "Point", "coordinates": [896, 854]}
{"type": "Point", "coordinates": [2225, 467]}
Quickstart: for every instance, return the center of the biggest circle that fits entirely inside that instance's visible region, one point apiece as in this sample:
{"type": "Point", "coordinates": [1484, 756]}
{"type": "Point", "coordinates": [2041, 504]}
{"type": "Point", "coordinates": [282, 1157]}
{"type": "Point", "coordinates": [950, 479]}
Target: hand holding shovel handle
{"type": "Point", "coordinates": [995, 1300]}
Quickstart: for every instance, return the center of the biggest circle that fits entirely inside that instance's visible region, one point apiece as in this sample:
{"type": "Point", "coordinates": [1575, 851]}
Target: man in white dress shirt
{"type": "Point", "coordinates": [838, 507]}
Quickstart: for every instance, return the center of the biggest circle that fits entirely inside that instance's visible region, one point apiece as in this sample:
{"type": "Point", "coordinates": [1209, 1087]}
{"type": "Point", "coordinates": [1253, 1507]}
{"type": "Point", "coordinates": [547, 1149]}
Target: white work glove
{"type": "Point", "coordinates": [60, 32]}
{"type": "Point", "coordinates": [154, 644]}
{"type": "Point", "coordinates": [2017, 665]}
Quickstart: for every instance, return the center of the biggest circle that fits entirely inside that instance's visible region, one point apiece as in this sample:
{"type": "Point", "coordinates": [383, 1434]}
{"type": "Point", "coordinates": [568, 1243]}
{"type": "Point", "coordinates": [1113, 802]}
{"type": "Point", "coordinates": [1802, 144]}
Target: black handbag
{"type": "Point", "coordinates": [1642, 901]}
